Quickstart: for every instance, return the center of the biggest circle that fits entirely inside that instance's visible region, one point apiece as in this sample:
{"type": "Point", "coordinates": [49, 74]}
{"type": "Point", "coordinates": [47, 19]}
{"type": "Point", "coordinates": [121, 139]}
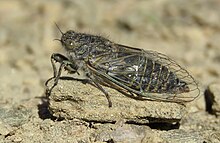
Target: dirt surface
{"type": "Point", "coordinates": [187, 31]}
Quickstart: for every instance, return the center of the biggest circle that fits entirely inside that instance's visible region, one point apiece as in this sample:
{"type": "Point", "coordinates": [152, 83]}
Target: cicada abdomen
{"type": "Point", "coordinates": [148, 74]}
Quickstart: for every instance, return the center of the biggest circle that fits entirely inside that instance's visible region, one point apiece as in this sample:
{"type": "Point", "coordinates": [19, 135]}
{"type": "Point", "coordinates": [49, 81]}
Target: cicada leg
{"type": "Point", "coordinates": [94, 80]}
{"type": "Point", "coordinates": [105, 92]}
{"type": "Point", "coordinates": [64, 63]}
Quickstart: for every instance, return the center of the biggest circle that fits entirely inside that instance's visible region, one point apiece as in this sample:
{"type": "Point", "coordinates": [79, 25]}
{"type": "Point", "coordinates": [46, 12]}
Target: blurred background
{"type": "Point", "coordinates": [185, 30]}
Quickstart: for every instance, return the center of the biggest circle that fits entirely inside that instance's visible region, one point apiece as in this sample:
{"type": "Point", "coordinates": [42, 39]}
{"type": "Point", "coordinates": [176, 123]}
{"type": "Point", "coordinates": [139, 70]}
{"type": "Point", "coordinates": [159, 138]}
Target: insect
{"type": "Point", "coordinates": [141, 73]}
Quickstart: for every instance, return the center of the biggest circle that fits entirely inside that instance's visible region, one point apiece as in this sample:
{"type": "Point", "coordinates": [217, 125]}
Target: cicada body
{"type": "Point", "coordinates": [143, 73]}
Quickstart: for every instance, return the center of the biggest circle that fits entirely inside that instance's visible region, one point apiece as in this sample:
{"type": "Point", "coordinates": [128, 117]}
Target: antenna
{"type": "Point", "coordinates": [57, 40]}
{"type": "Point", "coordinates": [58, 28]}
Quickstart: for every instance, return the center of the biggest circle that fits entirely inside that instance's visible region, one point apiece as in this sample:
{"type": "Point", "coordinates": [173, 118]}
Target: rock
{"type": "Point", "coordinates": [72, 99]}
{"type": "Point", "coordinates": [15, 117]}
{"type": "Point", "coordinates": [127, 133]}
{"type": "Point", "coordinates": [5, 129]}
{"type": "Point", "coordinates": [212, 97]}
{"type": "Point", "coordinates": [11, 118]}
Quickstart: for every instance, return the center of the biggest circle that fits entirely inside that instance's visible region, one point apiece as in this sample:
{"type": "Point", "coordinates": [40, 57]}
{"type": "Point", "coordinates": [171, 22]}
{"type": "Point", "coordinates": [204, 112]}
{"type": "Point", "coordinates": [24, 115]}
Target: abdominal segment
{"type": "Point", "coordinates": [146, 75]}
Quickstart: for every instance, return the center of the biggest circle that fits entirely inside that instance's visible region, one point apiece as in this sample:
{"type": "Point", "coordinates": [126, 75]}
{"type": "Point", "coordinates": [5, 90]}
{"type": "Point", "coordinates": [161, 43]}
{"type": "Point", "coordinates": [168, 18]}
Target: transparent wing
{"type": "Point", "coordinates": [148, 74]}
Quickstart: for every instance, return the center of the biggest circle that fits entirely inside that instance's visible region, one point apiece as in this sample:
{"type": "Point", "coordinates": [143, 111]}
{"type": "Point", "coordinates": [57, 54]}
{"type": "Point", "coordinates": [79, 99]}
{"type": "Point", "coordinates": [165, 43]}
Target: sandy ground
{"type": "Point", "coordinates": [187, 31]}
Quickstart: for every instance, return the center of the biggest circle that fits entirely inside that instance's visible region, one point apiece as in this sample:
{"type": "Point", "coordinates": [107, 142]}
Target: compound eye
{"type": "Point", "coordinates": [69, 44]}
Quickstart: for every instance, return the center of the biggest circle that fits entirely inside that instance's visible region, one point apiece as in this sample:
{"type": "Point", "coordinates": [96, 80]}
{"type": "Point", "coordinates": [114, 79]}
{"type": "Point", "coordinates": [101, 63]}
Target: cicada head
{"type": "Point", "coordinates": [70, 40]}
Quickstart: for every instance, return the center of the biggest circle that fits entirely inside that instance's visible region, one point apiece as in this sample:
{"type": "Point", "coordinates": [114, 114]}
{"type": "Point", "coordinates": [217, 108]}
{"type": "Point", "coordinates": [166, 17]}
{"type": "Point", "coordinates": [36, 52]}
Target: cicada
{"type": "Point", "coordinates": [141, 73]}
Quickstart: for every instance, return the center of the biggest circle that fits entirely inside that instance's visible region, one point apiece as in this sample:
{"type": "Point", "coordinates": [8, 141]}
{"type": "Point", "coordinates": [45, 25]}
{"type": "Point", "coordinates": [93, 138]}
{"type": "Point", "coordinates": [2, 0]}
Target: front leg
{"type": "Point", "coordinates": [71, 67]}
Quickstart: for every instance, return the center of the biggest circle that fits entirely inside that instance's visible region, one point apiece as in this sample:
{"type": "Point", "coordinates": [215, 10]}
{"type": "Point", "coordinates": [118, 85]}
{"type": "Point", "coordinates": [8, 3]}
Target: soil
{"type": "Point", "coordinates": [186, 31]}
